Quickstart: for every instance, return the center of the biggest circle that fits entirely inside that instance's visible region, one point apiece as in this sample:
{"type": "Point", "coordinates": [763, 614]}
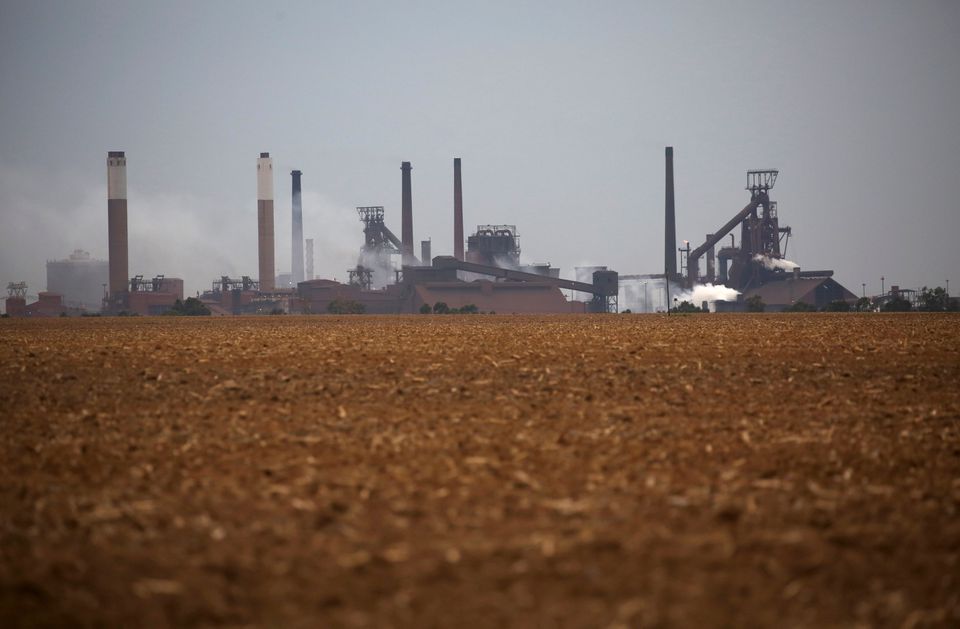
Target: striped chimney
{"type": "Point", "coordinates": [117, 221]}
{"type": "Point", "coordinates": [265, 222]}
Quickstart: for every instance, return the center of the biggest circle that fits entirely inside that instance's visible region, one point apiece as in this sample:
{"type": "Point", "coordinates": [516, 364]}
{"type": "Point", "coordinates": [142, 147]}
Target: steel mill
{"type": "Point", "coordinates": [485, 272]}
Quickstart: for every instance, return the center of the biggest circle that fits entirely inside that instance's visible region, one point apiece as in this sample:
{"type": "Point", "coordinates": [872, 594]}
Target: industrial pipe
{"type": "Point", "coordinates": [693, 259]}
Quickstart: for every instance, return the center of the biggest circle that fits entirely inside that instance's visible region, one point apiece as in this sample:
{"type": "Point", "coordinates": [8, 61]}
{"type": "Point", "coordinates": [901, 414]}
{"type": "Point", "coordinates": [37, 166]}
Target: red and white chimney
{"type": "Point", "coordinates": [117, 221]}
{"type": "Point", "coordinates": [265, 222]}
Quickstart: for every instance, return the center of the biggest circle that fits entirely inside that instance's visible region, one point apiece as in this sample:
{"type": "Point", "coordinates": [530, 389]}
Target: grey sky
{"type": "Point", "coordinates": [559, 110]}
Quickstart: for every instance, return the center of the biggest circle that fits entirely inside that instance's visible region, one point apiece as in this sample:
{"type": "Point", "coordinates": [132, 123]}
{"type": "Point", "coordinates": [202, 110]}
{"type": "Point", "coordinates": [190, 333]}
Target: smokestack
{"type": "Point", "coordinates": [117, 221]}
{"type": "Point", "coordinates": [309, 258]}
{"type": "Point", "coordinates": [670, 222]}
{"type": "Point", "coordinates": [425, 257]}
{"type": "Point", "coordinates": [457, 211]}
{"type": "Point", "coordinates": [406, 228]}
{"type": "Point", "coordinates": [296, 249]}
{"type": "Point", "coordinates": [265, 222]}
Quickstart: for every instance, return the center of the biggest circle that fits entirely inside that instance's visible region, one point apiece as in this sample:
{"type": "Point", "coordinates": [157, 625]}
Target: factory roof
{"type": "Point", "coordinates": [502, 297]}
{"type": "Point", "coordinates": [810, 290]}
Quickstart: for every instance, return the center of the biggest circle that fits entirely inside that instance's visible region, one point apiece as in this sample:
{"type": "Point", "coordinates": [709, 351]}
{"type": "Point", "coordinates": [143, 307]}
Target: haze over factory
{"type": "Point", "coordinates": [489, 275]}
{"type": "Point", "coordinates": [560, 119]}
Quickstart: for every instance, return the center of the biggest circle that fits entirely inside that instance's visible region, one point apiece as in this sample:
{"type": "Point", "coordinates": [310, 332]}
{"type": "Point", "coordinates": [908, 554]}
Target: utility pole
{"type": "Point", "coordinates": [864, 289]}
{"type": "Point", "coordinates": [883, 290]}
{"type": "Point", "coordinates": [666, 276]}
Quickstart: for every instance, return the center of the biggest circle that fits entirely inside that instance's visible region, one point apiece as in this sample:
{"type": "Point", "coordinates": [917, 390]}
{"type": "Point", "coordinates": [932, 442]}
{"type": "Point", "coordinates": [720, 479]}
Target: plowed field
{"type": "Point", "coordinates": [582, 471]}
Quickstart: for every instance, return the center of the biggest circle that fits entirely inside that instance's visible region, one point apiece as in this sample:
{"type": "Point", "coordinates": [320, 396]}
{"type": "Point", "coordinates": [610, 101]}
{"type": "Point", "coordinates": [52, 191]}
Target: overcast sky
{"type": "Point", "coordinates": [559, 110]}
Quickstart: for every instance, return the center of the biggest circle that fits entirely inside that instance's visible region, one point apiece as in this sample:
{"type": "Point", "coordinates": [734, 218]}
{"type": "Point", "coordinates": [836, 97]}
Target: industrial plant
{"type": "Point", "coordinates": [484, 273]}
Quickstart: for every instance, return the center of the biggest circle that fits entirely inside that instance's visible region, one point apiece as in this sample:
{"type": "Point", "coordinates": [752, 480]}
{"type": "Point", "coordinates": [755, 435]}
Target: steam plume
{"type": "Point", "coordinates": [707, 293]}
{"type": "Point", "coordinates": [775, 263]}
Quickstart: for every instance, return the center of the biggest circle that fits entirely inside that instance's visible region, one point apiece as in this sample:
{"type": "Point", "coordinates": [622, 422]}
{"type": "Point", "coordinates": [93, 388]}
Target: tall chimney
{"type": "Point", "coordinates": [265, 222]}
{"type": "Point", "coordinates": [406, 227]}
{"type": "Point", "coordinates": [457, 211]}
{"type": "Point", "coordinates": [670, 222]}
{"type": "Point", "coordinates": [117, 221]}
{"type": "Point", "coordinates": [309, 258]}
{"type": "Point", "coordinates": [296, 250]}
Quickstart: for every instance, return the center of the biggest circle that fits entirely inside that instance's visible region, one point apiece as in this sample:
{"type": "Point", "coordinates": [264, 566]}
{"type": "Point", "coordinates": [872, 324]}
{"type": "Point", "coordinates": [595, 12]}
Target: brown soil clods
{"type": "Point", "coordinates": [595, 471]}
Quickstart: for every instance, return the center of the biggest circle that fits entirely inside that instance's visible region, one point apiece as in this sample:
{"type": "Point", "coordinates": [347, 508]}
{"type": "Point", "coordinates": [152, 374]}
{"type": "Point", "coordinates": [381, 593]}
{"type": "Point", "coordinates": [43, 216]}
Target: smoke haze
{"type": "Point", "coordinates": [559, 110]}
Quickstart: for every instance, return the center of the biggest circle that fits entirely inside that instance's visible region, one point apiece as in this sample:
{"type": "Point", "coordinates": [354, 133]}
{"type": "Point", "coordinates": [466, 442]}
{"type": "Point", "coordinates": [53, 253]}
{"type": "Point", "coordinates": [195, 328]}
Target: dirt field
{"type": "Point", "coordinates": [591, 471]}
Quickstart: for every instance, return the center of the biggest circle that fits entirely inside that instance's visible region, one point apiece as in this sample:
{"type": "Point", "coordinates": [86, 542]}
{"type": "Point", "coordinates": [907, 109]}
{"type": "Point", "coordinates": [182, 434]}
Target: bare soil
{"type": "Point", "coordinates": [581, 471]}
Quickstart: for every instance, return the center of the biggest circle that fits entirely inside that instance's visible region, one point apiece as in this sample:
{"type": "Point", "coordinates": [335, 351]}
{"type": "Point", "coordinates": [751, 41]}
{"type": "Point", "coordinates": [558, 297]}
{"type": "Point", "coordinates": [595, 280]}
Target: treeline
{"type": "Point", "coordinates": [442, 308]}
{"type": "Point", "coordinates": [928, 300]}
{"type": "Point", "coordinates": [190, 307]}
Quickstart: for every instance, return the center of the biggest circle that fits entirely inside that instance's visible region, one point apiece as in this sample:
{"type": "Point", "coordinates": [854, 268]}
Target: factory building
{"type": "Point", "coordinates": [488, 275]}
{"type": "Point", "coordinates": [154, 296]}
{"type": "Point", "coordinates": [230, 296]}
{"type": "Point", "coordinates": [501, 290]}
{"type": "Point", "coordinates": [755, 267]}
{"type": "Point", "coordinates": [80, 279]}
{"type": "Point", "coordinates": [489, 296]}
{"type": "Point", "coordinates": [485, 269]}
{"type": "Point", "coordinates": [409, 297]}
{"type": "Point", "coordinates": [494, 245]}
{"type": "Point", "coordinates": [813, 291]}
{"type": "Point", "coordinates": [48, 304]}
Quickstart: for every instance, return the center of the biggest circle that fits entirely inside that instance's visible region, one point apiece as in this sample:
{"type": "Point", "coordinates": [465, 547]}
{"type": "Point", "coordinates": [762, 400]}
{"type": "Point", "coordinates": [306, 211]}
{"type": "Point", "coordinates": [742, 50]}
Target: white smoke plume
{"type": "Point", "coordinates": [650, 295]}
{"type": "Point", "coordinates": [775, 263]}
{"type": "Point", "coordinates": [709, 293]}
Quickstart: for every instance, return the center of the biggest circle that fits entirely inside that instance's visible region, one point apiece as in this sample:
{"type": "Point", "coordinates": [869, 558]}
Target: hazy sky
{"type": "Point", "coordinates": [559, 110]}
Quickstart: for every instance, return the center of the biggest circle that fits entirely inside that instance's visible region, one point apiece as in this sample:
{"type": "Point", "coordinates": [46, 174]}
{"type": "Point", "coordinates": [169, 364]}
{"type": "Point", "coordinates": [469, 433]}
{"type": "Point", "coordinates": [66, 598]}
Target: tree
{"type": "Point", "coordinates": [425, 309]}
{"type": "Point", "coordinates": [755, 304]}
{"type": "Point", "coordinates": [801, 306]}
{"type": "Point", "coordinates": [686, 307]}
{"type": "Point", "coordinates": [864, 304]}
{"type": "Point", "coordinates": [838, 305]}
{"type": "Point", "coordinates": [933, 300]}
{"type": "Point", "coordinates": [897, 304]}
{"type": "Point", "coordinates": [441, 307]}
{"type": "Point", "coordinates": [345, 306]}
{"type": "Point", "coordinates": [191, 307]}
{"type": "Point", "coordinates": [469, 309]}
